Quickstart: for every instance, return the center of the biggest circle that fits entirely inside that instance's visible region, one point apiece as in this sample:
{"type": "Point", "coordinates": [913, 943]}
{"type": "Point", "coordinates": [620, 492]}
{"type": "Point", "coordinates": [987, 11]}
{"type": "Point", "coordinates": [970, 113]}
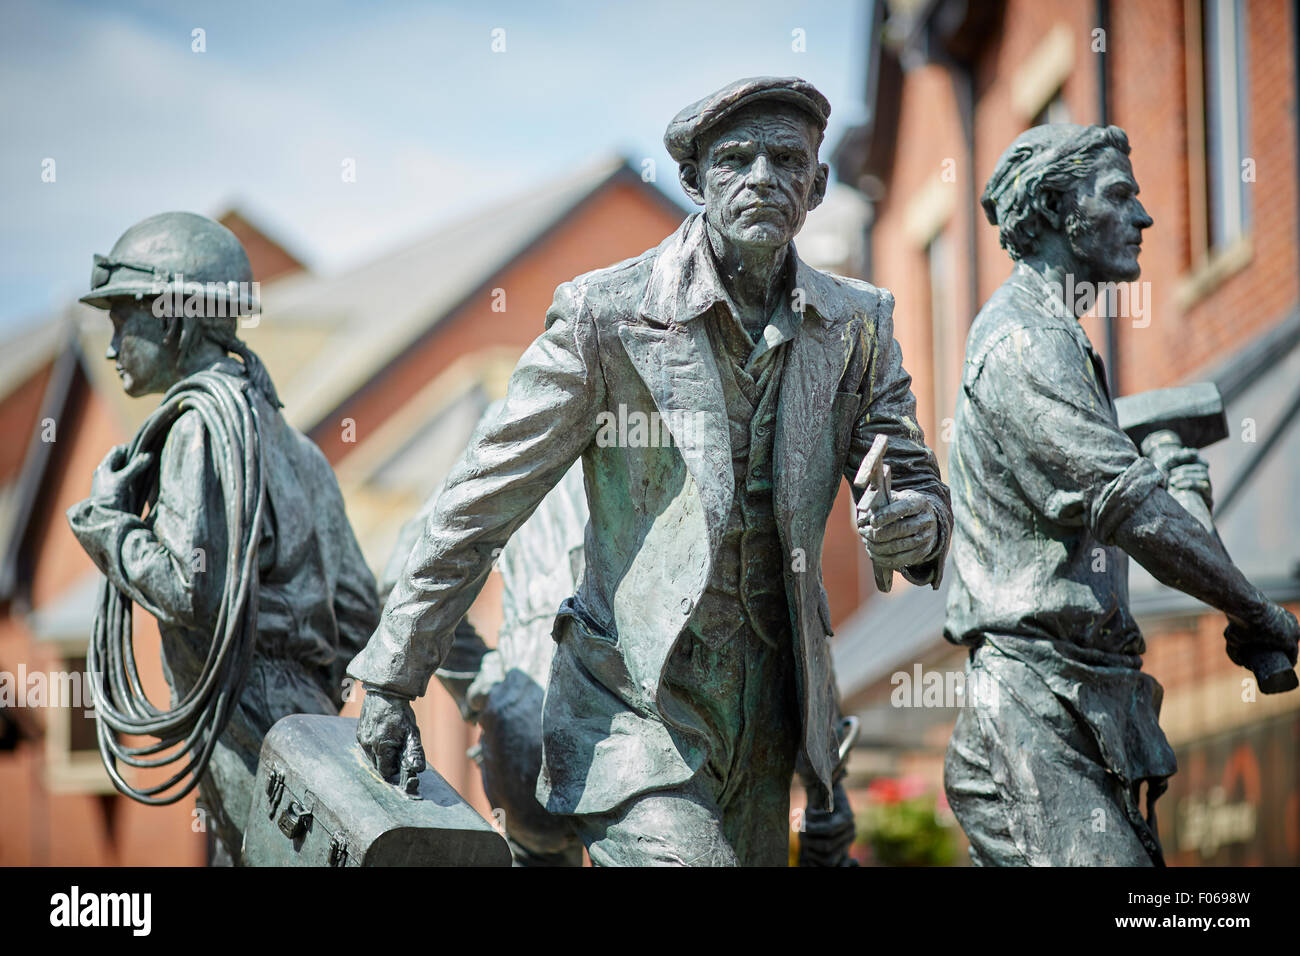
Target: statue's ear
{"type": "Point", "coordinates": [191, 333]}
{"type": "Point", "coordinates": [1052, 206]}
{"type": "Point", "coordinates": [689, 176]}
{"type": "Point", "coordinates": [173, 328]}
{"type": "Point", "coordinates": [819, 187]}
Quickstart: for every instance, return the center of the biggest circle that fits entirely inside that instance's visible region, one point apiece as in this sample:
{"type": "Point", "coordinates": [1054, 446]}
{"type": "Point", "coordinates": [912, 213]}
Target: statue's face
{"type": "Point", "coordinates": [1105, 228]}
{"type": "Point", "coordinates": [145, 362]}
{"type": "Point", "coordinates": [760, 175]}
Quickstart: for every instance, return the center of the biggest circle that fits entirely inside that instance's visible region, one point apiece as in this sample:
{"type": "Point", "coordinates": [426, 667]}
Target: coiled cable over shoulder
{"type": "Point", "coordinates": [198, 719]}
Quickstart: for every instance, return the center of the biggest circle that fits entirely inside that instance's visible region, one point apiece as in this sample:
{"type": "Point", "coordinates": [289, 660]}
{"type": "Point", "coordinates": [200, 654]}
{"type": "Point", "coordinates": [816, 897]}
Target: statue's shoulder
{"type": "Point", "coordinates": [1014, 320]}
{"type": "Point", "coordinates": [623, 280]}
{"type": "Point", "coordinates": [840, 300]}
{"type": "Point", "coordinates": [860, 293]}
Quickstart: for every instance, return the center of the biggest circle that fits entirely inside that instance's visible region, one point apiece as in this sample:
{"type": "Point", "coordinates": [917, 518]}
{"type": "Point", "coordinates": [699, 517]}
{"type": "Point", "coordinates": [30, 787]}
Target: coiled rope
{"type": "Point", "coordinates": [197, 721]}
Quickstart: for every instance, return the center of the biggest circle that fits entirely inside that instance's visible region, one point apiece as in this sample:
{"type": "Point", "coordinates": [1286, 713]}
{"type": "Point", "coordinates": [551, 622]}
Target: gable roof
{"type": "Point", "coordinates": [356, 323]}
{"type": "Point", "coordinates": [20, 500]}
{"type": "Point", "coordinates": [268, 256]}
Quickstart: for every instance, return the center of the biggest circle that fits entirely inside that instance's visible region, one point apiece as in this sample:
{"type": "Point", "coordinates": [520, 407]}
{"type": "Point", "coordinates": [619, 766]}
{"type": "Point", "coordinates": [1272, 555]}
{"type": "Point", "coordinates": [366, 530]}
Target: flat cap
{"type": "Point", "coordinates": [687, 125]}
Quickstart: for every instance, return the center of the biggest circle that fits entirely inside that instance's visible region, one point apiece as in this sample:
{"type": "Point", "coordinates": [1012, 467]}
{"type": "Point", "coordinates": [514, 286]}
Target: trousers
{"type": "Point", "coordinates": [740, 698]}
{"type": "Point", "coordinates": [1026, 780]}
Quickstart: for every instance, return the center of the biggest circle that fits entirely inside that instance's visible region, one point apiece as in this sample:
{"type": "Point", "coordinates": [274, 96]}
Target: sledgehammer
{"type": "Point", "coordinates": [1192, 416]}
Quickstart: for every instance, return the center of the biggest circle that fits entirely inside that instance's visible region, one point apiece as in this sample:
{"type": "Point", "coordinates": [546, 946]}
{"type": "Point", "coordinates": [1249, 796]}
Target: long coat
{"type": "Point", "coordinates": [621, 346]}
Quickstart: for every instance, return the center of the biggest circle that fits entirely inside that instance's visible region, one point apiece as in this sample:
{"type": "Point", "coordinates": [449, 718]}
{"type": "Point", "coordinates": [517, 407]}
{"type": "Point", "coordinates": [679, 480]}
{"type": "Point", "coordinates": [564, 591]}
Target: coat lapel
{"type": "Point", "coordinates": [813, 369]}
{"type": "Point", "coordinates": [672, 355]}
{"type": "Point", "coordinates": [677, 367]}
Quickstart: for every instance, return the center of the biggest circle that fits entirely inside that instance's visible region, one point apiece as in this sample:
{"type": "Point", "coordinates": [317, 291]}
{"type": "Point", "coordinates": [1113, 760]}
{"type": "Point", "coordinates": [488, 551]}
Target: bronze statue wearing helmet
{"type": "Point", "coordinates": [221, 520]}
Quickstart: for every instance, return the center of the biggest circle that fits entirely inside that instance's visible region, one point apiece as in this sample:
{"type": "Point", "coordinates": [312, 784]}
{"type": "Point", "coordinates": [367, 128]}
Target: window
{"type": "Point", "coordinates": [72, 762]}
{"type": "Point", "coordinates": [1053, 111]}
{"type": "Point", "coordinates": [1218, 161]}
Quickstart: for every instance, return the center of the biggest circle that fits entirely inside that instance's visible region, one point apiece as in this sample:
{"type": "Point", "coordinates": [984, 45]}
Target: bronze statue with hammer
{"type": "Point", "coordinates": [1051, 494]}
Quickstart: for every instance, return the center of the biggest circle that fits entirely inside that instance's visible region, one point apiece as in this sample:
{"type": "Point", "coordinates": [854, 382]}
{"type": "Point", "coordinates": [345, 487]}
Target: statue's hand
{"type": "Point", "coordinates": [389, 735]}
{"type": "Point", "coordinates": [900, 534]}
{"type": "Point", "coordinates": [112, 479]}
{"type": "Point", "coordinates": [1274, 629]}
{"type": "Point", "coordinates": [827, 835]}
{"type": "Point", "coordinates": [1185, 470]}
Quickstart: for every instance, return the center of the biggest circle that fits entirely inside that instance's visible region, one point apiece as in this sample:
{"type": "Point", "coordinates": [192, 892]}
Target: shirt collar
{"type": "Point", "coordinates": [684, 285]}
{"type": "Point", "coordinates": [1050, 298]}
{"type": "Point", "coordinates": [1052, 302]}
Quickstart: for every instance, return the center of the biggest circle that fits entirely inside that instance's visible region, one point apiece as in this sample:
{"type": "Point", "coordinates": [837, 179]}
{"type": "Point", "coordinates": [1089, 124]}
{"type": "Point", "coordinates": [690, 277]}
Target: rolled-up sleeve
{"type": "Point", "coordinates": [1040, 396]}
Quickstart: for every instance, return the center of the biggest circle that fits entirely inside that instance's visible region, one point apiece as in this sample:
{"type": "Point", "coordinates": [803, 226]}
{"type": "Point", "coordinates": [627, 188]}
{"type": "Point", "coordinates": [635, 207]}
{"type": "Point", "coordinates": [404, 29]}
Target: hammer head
{"type": "Point", "coordinates": [1193, 412]}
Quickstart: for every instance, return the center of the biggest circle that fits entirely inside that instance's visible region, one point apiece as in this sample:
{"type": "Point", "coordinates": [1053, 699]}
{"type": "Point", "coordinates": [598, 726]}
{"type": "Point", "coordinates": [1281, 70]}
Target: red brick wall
{"type": "Point", "coordinates": [1148, 101]}
{"type": "Point", "coordinates": [1147, 98]}
{"type": "Point", "coordinates": [38, 826]}
{"type": "Point", "coordinates": [19, 410]}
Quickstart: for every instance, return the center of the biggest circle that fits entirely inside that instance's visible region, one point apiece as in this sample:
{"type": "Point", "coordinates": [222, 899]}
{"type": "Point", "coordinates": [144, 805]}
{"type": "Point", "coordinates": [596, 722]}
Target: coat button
{"type": "Point", "coordinates": [686, 605]}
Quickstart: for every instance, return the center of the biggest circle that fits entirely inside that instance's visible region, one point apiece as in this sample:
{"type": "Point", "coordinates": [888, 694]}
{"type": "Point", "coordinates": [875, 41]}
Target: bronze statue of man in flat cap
{"type": "Point", "coordinates": [692, 665]}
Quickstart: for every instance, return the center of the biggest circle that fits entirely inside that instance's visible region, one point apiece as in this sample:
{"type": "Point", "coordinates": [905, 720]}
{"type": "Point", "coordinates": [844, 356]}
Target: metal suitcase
{"type": "Point", "coordinates": [319, 802]}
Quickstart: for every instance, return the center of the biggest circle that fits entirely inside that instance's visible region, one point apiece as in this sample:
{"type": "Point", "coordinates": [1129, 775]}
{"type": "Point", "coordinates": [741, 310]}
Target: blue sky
{"type": "Point", "coordinates": [437, 123]}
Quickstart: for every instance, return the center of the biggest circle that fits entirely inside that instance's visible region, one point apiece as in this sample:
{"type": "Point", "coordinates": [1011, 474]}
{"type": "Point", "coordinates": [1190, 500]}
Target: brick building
{"type": "Point", "coordinates": [1207, 92]}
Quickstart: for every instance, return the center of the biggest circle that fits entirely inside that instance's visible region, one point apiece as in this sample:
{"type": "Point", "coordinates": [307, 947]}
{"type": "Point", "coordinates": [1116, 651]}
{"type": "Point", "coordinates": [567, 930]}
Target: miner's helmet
{"type": "Point", "coordinates": [170, 253]}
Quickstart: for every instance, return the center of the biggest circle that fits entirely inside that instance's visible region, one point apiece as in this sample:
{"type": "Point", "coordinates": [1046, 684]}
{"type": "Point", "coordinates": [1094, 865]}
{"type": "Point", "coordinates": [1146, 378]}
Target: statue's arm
{"type": "Point", "coordinates": [889, 408]}
{"type": "Point", "coordinates": [464, 659]}
{"type": "Point", "coordinates": [172, 563]}
{"type": "Point", "coordinates": [1162, 536]}
{"type": "Point", "coordinates": [514, 458]}
{"type": "Point", "coordinates": [1040, 396]}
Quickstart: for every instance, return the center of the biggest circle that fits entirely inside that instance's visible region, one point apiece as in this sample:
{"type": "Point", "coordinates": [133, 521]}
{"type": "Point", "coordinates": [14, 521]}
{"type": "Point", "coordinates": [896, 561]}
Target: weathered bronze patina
{"type": "Point", "coordinates": [691, 664]}
{"type": "Point", "coordinates": [221, 520]}
{"type": "Point", "coordinates": [1048, 764]}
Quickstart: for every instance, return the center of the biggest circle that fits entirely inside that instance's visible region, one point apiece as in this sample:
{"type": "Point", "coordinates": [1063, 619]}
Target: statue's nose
{"type": "Point", "coordinates": [761, 172]}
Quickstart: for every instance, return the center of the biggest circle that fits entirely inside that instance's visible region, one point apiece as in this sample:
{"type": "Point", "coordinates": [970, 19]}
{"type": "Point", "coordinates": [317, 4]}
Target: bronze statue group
{"type": "Point", "coordinates": [653, 698]}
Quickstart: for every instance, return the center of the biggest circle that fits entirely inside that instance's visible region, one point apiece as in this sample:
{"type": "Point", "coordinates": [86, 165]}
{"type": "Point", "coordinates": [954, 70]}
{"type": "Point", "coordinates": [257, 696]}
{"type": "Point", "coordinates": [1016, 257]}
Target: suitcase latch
{"type": "Point", "coordinates": [295, 820]}
{"type": "Point", "coordinates": [338, 852]}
